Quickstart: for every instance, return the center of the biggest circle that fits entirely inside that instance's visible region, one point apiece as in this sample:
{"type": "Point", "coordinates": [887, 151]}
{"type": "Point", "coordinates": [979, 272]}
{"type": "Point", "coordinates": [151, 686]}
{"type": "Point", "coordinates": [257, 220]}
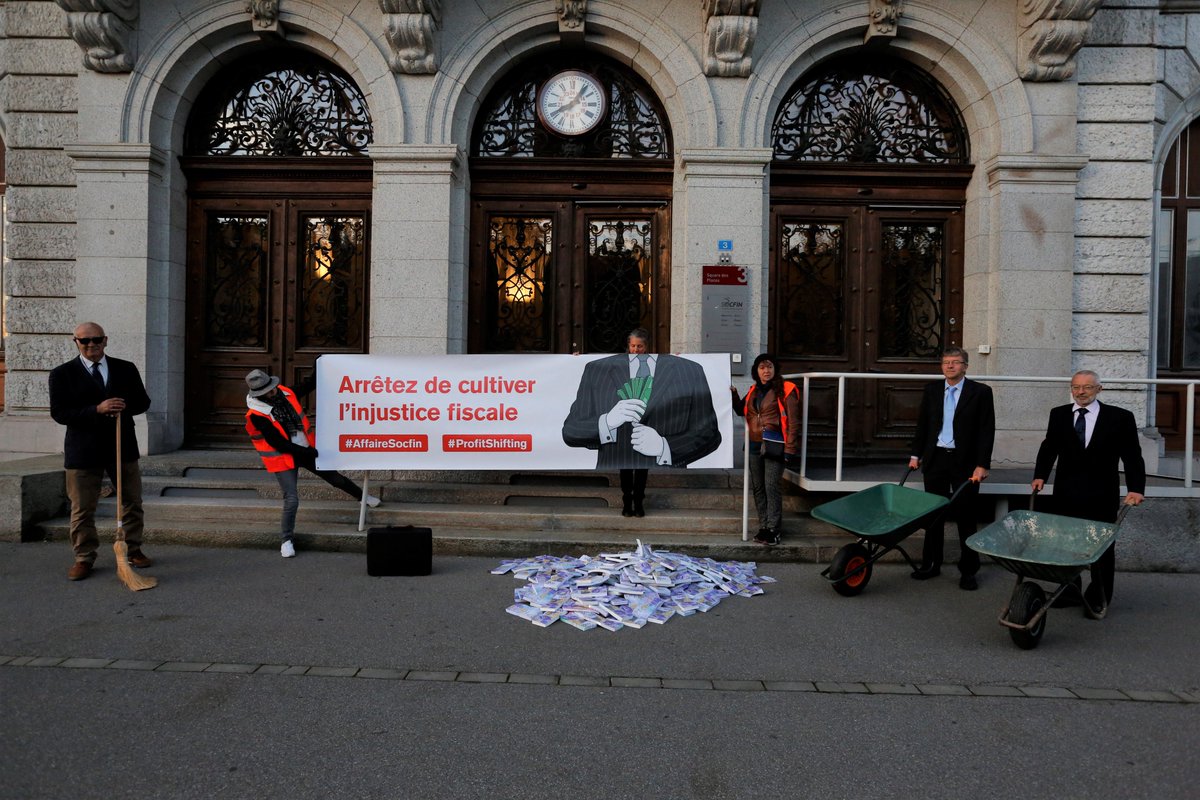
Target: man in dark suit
{"type": "Point", "coordinates": [1087, 440]}
{"type": "Point", "coordinates": [87, 394]}
{"type": "Point", "coordinates": [956, 428]}
{"type": "Point", "coordinates": [675, 426]}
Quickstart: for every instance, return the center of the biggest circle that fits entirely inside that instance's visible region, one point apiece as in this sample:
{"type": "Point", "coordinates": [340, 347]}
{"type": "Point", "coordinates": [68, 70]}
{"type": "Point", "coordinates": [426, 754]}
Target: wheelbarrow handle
{"type": "Point", "coordinates": [961, 486]}
{"type": "Point", "coordinates": [907, 472]}
{"type": "Point", "coordinates": [1121, 514]}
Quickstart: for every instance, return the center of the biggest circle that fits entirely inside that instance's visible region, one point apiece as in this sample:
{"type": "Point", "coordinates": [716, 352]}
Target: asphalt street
{"type": "Point", "coordinates": [246, 675]}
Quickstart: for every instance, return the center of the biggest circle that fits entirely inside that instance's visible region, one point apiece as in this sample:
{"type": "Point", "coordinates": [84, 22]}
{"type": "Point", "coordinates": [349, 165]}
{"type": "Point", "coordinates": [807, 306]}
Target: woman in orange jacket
{"type": "Point", "coordinates": [771, 405]}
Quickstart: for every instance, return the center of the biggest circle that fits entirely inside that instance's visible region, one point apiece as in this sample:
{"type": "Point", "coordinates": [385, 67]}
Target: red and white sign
{"type": "Point", "coordinates": [507, 412]}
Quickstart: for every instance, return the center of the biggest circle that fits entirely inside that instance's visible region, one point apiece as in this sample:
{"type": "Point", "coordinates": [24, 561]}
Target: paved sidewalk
{"type": "Point", "coordinates": [238, 652]}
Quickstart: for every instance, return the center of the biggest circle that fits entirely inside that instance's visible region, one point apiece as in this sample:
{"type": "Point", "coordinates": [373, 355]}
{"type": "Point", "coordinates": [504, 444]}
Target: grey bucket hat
{"type": "Point", "coordinates": [260, 382]}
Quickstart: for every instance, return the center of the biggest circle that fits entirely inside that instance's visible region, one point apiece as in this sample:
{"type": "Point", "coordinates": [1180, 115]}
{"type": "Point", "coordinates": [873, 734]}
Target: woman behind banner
{"type": "Point", "coordinates": [772, 411]}
{"type": "Point", "coordinates": [279, 429]}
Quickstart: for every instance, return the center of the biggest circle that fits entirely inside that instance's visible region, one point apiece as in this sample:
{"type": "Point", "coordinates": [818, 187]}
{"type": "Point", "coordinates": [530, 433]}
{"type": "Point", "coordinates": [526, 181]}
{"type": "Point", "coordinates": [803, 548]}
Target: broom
{"type": "Point", "coordinates": [131, 579]}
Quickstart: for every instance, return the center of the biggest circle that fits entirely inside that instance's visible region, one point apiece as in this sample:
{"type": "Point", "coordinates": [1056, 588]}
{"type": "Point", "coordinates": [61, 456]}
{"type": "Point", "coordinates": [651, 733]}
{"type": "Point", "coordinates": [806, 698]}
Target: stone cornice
{"type": "Point", "coordinates": [101, 157]}
{"type": "Point", "coordinates": [1034, 168]}
{"type": "Point", "coordinates": [725, 161]}
{"type": "Point", "coordinates": [1052, 31]}
{"type": "Point", "coordinates": [103, 29]}
{"type": "Point", "coordinates": [444, 159]}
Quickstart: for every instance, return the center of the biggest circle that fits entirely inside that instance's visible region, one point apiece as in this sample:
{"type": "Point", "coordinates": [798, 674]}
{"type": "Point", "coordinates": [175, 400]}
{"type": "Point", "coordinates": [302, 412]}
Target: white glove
{"type": "Point", "coordinates": [646, 440]}
{"type": "Point", "coordinates": [624, 411]}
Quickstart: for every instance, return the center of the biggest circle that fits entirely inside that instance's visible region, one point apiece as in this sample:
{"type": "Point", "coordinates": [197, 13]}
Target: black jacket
{"type": "Point", "coordinates": [974, 425]}
{"type": "Point", "coordinates": [91, 440]}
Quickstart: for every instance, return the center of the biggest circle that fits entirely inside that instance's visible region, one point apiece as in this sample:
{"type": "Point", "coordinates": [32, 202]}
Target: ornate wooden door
{"type": "Point", "coordinates": [272, 284]}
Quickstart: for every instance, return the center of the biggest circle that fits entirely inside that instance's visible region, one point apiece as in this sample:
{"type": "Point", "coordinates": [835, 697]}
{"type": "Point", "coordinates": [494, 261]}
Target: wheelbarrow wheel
{"type": "Point", "coordinates": [1027, 601]}
{"type": "Point", "coordinates": [847, 560]}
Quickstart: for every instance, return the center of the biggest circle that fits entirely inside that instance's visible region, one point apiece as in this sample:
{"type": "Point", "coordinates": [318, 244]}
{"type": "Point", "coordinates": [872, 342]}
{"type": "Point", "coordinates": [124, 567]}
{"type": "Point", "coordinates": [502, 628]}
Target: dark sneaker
{"type": "Point", "coordinates": [773, 538]}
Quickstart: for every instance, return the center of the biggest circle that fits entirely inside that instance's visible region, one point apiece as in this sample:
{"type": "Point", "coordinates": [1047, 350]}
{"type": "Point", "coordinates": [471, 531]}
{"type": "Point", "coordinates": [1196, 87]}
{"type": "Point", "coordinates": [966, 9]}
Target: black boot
{"type": "Point", "coordinates": [627, 506]}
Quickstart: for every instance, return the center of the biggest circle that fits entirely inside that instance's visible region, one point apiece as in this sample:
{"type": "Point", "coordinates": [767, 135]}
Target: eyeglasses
{"type": "Point", "coordinates": [953, 363]}
{"type": "Point", "coordinates": [90, 339]}
{"type": "Point", "coordinates": [1091, 387]}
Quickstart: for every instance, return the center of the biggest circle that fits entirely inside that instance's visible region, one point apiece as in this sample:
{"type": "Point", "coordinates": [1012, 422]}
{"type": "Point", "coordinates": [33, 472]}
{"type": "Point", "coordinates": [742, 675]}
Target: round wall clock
{"type": "Point", "coordinates": [571, 102]}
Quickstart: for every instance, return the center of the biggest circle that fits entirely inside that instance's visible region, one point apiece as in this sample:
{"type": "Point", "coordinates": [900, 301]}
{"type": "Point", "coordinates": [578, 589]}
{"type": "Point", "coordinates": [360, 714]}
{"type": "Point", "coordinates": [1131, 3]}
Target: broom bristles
{"type": "Point", "coordinates": [131, 579]}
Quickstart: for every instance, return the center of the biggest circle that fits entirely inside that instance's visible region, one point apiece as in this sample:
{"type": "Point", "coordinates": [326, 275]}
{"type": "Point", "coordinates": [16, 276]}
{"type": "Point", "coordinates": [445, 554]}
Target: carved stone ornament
{"type": "Point", "coordinates": [885, 18]}
{"type": "Point", "coordinates": [102, 29]}
{"type": "Point", "coordinates": [1053, 31]}
{"type": "Point", "coordinates": [571, 18]}
{"type": "Point", "coordinates": [408, 26]}
{"type": "Point", "coordinates": [265, 16]}
{"type": "Point", "coordinates": [730, 27]}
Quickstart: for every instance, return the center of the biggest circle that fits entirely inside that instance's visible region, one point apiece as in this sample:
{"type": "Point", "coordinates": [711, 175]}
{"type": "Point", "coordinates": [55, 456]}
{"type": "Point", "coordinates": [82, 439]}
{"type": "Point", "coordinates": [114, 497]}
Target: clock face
{"type": "Point", "coordinates": [571, 103]}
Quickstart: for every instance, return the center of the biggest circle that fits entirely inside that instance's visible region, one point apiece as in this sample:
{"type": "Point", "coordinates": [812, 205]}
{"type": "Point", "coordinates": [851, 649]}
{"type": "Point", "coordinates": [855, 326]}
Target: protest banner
{"type": "Point", "coordinates": [522, 412]}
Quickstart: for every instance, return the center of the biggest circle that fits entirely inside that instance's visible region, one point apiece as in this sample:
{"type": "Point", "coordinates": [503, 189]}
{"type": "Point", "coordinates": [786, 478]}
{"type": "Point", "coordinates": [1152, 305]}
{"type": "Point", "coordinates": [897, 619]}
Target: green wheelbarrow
{"type": "Point", "coordinates": [880, 517]}
{"type": "Point", "coordinates": [1036, 546]}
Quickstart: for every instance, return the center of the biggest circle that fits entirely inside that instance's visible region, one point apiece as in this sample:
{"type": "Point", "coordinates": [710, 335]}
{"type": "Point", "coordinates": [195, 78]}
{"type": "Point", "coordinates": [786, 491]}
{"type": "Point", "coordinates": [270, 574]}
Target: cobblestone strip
{"type": "Point", "coordinates": [867, 688]}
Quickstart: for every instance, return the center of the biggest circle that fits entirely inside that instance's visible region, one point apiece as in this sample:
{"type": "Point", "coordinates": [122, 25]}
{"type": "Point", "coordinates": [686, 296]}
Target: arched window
{"type": "Point", "coordinates": [858, 111]}
{"type": "Point", "coordinates": [632, 127]}
{"type": "Point", "coordinates": [280, 103]}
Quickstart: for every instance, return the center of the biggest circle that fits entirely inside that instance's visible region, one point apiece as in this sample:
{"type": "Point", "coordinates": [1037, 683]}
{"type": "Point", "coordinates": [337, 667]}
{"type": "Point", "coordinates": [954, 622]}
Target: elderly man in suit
{"type": "Point", "coordinates": [675, 426]}
{"type": "Point", "coordinates": [88, 394]}
{"type": "Point", "coordinates": [956, 429]}
{"type": "Point", "coordinates": [1088, 439]}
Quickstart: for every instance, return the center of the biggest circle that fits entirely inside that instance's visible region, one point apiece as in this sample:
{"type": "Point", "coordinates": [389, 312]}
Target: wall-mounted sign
{"type": "Point", "coordinates": [724, 319]}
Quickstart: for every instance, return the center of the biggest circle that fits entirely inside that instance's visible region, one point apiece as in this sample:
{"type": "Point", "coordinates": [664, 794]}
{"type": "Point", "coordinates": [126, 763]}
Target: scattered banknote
{"type": "Point", "coordinates": [625, 590]}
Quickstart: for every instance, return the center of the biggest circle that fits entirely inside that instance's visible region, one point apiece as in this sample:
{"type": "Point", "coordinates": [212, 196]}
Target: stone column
{"type": "Point", "coordinates": [720, 193]}
{"type": "Point", "coordinates": [120, 282]}
{"type": "Point", "coordinates": [1018, 297]}
{"type": "Point", "coordinates": [418, 274]}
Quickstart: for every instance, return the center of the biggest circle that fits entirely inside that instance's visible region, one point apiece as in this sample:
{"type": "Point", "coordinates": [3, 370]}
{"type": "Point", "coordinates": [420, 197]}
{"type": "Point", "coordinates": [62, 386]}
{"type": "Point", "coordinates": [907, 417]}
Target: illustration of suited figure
{"type": "Point", "coordinates": [672, 427]}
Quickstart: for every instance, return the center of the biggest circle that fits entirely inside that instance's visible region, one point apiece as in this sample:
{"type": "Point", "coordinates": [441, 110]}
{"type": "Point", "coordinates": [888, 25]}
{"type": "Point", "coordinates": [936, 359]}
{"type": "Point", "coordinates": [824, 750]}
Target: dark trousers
{"type": "Point", "coordinates": [291, 493]}
{"type": "Point", "coordinates": [942, 477]}
{"type": "Point", "coordinates": [633, 484]}
{"type": "Point", "coordinates": [83, 489]}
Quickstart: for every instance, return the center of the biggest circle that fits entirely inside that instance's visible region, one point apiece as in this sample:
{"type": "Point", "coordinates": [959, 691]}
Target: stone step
{"type": "Point", "coordinates": [260, 484]}
{"type": "Point", "coordinates": [341, 536]}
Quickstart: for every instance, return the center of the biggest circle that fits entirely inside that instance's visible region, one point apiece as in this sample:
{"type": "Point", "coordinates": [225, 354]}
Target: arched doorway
{"type": "Point", "coordinates": [868, 181]}
{"type": "Point", "coordinates": [279, 188]}
{"type": "Point", "coordinates": [1177, 262]}
{"type": "Point", "coordinates": [570, 210]}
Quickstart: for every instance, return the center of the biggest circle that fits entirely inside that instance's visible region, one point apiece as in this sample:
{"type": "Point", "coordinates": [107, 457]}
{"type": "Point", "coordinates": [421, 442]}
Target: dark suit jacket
{"type": "Point", "coordinates": [91, 440]}
{"type": "Point", "coordinates": [680, 409]}
{"type": "Point", "coordinates": [974, 425]}
{"type": "Point", "coordinates": [1087, 483]}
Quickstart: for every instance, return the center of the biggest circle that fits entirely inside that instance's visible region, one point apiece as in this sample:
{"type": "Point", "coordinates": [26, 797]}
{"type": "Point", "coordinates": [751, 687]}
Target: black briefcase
{"type": "Point", "coordinates": [399, 550]}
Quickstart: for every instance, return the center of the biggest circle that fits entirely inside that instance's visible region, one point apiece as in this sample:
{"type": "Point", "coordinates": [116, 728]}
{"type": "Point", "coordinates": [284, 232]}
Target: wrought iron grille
{"type": "Point", "coordinates": [634, 128]}
{"type": "Point", "coordinates": [620, 281]}
{"type": "Point", "coordinates": [235, 285]}
{"type": "Point", "coordinates": [888, 112]}
{"type": "Point", "coordinates": [911, 293]}
{"type": "Point", "coordinates": [812, 310]}
{"type": "Point", "coordinates": [519, 311]}
{"type": "Point", "coordinates": [281, 106]}
{"type": "Point", "coordinates": [331, 292]}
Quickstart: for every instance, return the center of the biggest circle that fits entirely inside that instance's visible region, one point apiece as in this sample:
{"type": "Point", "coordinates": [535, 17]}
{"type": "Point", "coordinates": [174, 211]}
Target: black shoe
{"type": "Point", "coordinates": [761, 536]}
{"type": "Point", "coordinates": [773, 538]}
{"type": "Point", "coordinates": [627, 507]}
{"type": "Point", "coordinates": [925, 573]}
{"type": "Point", "coordinates": [968, 583]}
{"type": "Point", "coordinates": [638, 509]}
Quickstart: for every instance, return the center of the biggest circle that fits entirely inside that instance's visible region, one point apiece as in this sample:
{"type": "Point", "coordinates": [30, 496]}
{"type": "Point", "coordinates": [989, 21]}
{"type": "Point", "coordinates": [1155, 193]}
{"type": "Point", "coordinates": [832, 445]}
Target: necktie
{"type": "Point", "coordinates": [96, 376]}
{"type": "Point", "coordinates": [1081, 427]}
{"type": "Point", "coordinates": [946, 437]}
{"type": "Point", "coordinates": [643, 370]}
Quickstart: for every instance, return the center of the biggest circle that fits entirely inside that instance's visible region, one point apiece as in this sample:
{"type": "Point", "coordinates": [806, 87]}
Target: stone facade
{"type": "Point", "coordinates": [1070, 108]}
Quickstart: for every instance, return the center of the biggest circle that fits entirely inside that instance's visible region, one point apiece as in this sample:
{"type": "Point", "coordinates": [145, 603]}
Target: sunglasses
{"type": "Point", "coordinates": [90, 339]}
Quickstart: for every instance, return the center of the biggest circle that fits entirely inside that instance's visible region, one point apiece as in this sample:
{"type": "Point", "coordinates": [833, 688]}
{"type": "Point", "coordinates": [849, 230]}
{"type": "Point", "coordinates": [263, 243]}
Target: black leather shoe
{"type": "Point", "coordinates": [968, 583]}
{"type": "Point", "coordinates": [638, 510]}
{"type": "Point", "coordinates": [627, 507]}
{"type": "Point", "coordinates": [925, 573]}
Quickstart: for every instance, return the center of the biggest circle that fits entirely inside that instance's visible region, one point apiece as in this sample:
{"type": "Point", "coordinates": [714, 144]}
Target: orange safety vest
{"type": "Point", "coordinates": [788, 388]}
{"type": "Point", "coordinates": [274, 460]}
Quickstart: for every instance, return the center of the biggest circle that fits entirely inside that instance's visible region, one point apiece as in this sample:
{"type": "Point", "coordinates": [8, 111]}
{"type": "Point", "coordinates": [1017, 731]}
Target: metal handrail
{"type": "Point", "coordinates": [842, 377]}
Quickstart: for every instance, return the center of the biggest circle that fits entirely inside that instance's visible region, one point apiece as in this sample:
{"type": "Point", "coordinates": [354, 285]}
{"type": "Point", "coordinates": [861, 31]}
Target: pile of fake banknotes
{"type": "Point", "coordinates": [624, 590]}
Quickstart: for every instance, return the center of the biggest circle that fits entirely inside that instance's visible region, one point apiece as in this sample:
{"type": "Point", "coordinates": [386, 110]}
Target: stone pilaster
{"type": "Point", "coordinates": [720, 193]}
{"type": "Point", "coordinates": [418, 277]}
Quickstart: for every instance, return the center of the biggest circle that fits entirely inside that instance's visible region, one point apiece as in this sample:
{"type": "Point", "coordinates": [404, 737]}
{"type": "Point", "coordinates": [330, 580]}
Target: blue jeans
{"type": "Point", "coordinates": [291, 496]}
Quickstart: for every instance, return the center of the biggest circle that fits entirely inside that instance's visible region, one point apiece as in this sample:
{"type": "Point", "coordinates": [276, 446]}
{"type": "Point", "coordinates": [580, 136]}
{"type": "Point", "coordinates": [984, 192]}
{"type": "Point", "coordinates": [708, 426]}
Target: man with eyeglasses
{"type": "Point", "coordinates": [88, 394]}
{"type": "Point", "coordinates": [956, 428]}
{"type": "Point", "coordinates": [1089, 441]}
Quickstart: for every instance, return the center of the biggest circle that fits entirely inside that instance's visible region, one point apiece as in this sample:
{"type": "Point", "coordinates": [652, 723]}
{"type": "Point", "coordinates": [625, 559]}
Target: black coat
{"type": "Point", "coordinates": [974, 425]}
{"type": "Point", "coordinates": [680, 409]}
{"type": "Point", "coordinates": [1087, 483]}
{"type": "Point", "coordinates": [91, 440]}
